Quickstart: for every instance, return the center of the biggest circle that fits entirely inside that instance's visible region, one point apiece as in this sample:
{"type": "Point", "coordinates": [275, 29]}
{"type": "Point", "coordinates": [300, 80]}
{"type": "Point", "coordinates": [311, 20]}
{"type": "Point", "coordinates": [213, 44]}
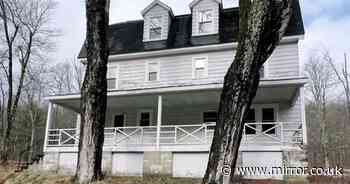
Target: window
{"type": "Point", "coordinates": [145, 118]}
{"type": "Point", "coordinates": [152, 71]}
{"type": "Point", "coordinates": [210, 117]}
{"type": "Point", "coordinates": [155, 32]}
{"type": "Point", "coordinates": [268, 116]}
{"type": "Point", "coordinates": [119, 120]}
{"type": "Point", "coordinates": [200, 69]}
{"type": "Point", "coordinates": [112, 77]}
{"type": "Point", "coordinates": [250, 118]}
{"type": "Point", "coordinates": [205, 21]}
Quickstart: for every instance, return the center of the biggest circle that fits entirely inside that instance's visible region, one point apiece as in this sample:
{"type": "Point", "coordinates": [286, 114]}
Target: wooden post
{"type": "Point", "coordinates": [48, 124]}
{"type": "Point", "coordinates": [77, 130]}
{"type": "Point", "coordinates": [159, 119]}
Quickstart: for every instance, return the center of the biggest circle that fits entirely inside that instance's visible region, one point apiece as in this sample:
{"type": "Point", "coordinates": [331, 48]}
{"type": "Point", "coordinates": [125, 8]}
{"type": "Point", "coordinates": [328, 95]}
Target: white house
{"type": "Point", "coordinates": [165, 75]}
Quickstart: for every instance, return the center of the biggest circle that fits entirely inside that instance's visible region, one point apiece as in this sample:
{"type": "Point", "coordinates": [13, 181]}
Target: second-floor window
{"type": "Point", "coordinates": [200, 68]}
{"type": "Point", "coordinates": [152, 71]}
{"type": "Point", "coordinates": [205, 21]}
{"type": "Point", "coordinates": [112, 77]}
{"type": "Point", "coordinates": [155, 32]}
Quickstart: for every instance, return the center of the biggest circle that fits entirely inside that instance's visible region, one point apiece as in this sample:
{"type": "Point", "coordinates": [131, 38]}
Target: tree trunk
{"type": "Point", "coordinates": [262, 25]}
{"type": "Point", "coordinates": [94, 93]}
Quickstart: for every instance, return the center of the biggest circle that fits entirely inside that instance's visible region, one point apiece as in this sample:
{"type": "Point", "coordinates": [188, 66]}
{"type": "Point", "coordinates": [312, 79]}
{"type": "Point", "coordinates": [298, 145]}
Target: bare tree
{"type": "Point", "coordinates": [66, 77]}
{"type": "Point", "coordinates": [94, 92]}
{"type": "Point", "coordinates": [321, 80]}
{"type": "Point", "coordinates": [262, 26]}
{"type": "Point", "coordinates": [25, 34]}
{"type": "Point", "coordinates": [343, 76]}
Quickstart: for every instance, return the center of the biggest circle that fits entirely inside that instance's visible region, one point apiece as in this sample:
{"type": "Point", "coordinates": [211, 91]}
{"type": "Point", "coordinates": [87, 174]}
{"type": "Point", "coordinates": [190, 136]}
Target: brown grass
{"type": "Point", "coordinates": [8, 176]}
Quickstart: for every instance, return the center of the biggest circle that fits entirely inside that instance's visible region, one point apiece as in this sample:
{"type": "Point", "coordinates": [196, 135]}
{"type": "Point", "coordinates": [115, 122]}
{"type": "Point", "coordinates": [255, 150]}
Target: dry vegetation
{"type": "Point", "coordinates": [8, 176]}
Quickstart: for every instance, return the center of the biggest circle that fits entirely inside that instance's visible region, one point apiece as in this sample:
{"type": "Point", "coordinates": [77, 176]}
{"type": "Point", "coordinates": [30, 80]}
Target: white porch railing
{"type": "Point", "coordinates": [200, 134]}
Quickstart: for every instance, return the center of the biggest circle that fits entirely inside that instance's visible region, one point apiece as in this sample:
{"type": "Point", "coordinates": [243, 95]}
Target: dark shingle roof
{"type": "Point", "coordinates": [127, 37]}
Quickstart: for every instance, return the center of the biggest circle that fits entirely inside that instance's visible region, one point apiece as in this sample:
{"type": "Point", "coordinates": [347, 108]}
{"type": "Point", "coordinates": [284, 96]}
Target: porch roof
{"type": "Point", "coordinates": [270, 91]}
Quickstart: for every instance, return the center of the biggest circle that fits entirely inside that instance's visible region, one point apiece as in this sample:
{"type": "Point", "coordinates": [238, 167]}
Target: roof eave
{"type": "Point", "coordinates": [154, 3]}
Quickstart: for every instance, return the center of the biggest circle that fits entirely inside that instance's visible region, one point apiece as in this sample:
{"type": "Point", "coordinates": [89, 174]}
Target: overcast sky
{"type": "Point", "coordinates": [327, 23]}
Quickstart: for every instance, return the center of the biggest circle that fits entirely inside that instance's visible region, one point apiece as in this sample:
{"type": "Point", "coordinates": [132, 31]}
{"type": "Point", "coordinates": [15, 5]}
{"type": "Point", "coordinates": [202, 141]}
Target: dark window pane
{"type": "Point", "coordinates": [145, 119]}
{"type": "Point", "coordinates": [152, 76]}
{"type": "Point", "coordinates": [210, 117]}
{"type": "Point", "coordinates": [119, 120]}
{"type": "Point", "coordinates": [268, 115]}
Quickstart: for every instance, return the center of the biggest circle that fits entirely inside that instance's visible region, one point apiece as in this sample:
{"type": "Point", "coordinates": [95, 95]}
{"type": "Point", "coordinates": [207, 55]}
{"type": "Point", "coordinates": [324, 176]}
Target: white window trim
{"type": "Point", "coordinates": [194, 59]}
{"type": "Point", "coordinates": [266, 70]}
{"type": "Point", "coordinates": [150, 111]}
{"type": "Point", "coordinates": [117, 74]}
{"type": "Point", "coordinates": [161, 26]}
{"type": "Point", "coordinates": [147, 71]}
{"type": "Point", "coordinates": [124, 114]}
{"type": "Point", "coordinates": [199, 22]}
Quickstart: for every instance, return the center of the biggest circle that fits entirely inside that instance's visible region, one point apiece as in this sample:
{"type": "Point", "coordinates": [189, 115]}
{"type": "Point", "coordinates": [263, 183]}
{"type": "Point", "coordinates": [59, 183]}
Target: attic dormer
{"type": "Point", "coordinates": [157, 21]}
{"type": "Point", "coordinates": [205, 17]}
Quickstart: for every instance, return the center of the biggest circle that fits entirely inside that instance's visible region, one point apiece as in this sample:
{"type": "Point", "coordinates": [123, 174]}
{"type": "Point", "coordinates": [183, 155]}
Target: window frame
{"type": "Point", "coordinates": [206, 68]}
{"type": "Point", "coordinates": [211, 22]}
{"type": "Point", "coordinates": [117, 75]}
{"type": "Point", "coordinates": [150, 111]}
{"type": "Point", "coordinates": [160, 26]}
{"type": "Point", "coordinates": [258, 116]}
{"type": "Point", "coordinates": [148, 71]}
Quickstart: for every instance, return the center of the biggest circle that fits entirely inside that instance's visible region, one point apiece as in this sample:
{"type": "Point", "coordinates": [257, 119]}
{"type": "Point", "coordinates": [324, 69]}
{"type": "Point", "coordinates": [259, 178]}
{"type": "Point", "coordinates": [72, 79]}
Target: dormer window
{"type": "Point", "coordinates": [205, 21]}
{"type": "Point", "coordinates": [155, 32]}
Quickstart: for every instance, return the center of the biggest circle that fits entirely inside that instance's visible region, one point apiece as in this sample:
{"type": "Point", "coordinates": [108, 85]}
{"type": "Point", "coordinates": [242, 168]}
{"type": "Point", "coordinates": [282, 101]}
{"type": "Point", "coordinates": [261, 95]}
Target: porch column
{"type": "Point", "coordinates": [159, 119]}
{"type": "Point", "coordinates": [78, 127]}
{"type": "Point", "coordinates": [48, 124]}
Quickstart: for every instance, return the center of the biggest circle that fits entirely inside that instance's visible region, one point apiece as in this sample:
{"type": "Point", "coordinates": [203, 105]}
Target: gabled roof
{"type": "Point", "coordinates": [127, 37]}
{"type": "Point", "coordinates": [154, 3]}
{"type": "Point", "coordinates": [194, 2]}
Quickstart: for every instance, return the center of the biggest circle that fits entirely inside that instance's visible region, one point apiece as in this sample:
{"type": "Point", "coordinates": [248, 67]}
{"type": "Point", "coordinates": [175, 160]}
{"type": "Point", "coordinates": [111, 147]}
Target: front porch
{"type": "Point", "coordinates": [184, 120]}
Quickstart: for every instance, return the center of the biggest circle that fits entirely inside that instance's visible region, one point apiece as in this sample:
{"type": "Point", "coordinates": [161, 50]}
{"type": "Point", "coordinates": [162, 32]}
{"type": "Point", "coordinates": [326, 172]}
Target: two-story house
{"type": "Point", "coordinates": [165, 75]}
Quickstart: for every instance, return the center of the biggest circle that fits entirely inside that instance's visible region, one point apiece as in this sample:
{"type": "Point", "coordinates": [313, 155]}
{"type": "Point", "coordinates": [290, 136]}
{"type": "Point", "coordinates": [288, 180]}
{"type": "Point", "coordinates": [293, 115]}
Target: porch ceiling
{"type": "Point", "coordinates": [267, 94]}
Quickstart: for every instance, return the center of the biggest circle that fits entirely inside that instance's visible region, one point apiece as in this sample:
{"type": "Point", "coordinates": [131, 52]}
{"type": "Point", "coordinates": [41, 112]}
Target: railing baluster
{"type": "Point", "coordinates": [59, 137]}
{"type": "Point", "coordinates": [175, 136]}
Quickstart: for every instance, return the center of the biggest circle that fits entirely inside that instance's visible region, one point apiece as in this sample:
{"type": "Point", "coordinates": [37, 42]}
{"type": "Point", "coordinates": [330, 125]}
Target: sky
{"type": "Point", "coordinates": [327, 24]}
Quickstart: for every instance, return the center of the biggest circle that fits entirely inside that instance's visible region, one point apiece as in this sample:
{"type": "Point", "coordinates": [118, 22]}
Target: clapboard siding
{"type": "Point", "coordinates": [177, 69]}
{"type": "Point", "coordinates": [205, 5]}
{"type": "Point", "coordinates": [291, 112]}
{"type": "Point", "coordinates": [284, 62]}
{"type": "Point", "coordinates": [166, 21]}
{"type": "Point", "coordinates": [192, 114]}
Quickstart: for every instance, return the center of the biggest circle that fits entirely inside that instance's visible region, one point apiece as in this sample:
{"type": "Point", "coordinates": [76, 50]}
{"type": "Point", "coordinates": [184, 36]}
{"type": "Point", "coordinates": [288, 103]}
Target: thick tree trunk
{"type": "Point", "coordinates": [262, 25]}
{"type": "Point", "coordinates": [94, 93]}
